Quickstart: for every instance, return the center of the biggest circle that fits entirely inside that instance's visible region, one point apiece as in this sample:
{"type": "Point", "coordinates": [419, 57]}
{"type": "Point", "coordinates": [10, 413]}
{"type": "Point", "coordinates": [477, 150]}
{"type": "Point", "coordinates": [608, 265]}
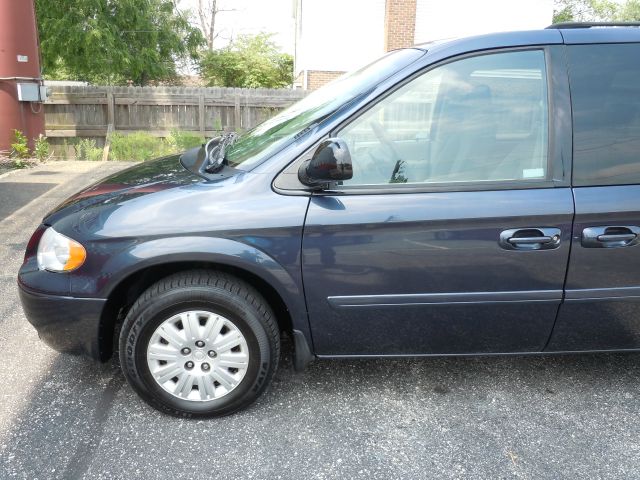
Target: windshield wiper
{"type": "Point", "coordinates": [215, 156]}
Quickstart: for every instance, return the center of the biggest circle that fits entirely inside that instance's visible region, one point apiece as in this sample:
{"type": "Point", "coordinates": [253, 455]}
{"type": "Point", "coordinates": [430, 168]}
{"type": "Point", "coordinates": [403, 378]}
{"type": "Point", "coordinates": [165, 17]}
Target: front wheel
{"type": "Point", "coordinates": [199, 344]}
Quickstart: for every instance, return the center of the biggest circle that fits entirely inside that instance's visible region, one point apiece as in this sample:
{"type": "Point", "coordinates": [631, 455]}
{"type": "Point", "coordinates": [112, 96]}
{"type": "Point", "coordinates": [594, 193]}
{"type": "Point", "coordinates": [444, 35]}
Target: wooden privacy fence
{"type": "Point", "coordinates": [78, 111]}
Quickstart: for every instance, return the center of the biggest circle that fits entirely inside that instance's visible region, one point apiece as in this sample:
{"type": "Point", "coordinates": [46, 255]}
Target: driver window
{"type": "Point", "coordinates": [479, 119]}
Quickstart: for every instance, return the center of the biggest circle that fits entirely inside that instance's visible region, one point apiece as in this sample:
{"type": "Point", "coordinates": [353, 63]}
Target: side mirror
{"type": "Point", "coordinates": [331, 162]}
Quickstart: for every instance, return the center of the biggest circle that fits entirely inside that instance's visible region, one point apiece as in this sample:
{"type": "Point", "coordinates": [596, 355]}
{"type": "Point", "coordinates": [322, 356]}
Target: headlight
{"type": "Point", "coordinates": [58, 253]}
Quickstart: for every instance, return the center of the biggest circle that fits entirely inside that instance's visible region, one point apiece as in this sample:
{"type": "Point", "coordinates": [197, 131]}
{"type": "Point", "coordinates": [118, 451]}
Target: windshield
{"type": "Point", "coordinates": [270, 136]}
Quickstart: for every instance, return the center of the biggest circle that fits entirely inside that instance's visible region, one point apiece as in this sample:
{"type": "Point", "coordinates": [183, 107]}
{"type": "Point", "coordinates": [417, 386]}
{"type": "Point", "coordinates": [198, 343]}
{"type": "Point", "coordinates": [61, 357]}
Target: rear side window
{"type": "Point", "coordinates": [605, 91]}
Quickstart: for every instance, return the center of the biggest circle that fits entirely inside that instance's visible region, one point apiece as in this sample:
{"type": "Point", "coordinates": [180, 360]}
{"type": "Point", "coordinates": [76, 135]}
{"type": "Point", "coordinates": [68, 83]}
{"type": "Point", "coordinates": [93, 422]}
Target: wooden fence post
{"type": "Point", "coordinates": [111, 109]}
{"type": "Point", "coordinates": [107, 143]}
{"type": "Point", "coordinates": [111, 121]}
{"type": "Point", "coordinates": [236, 112]}
{"type": "Point", "coordinates": [201, 114]}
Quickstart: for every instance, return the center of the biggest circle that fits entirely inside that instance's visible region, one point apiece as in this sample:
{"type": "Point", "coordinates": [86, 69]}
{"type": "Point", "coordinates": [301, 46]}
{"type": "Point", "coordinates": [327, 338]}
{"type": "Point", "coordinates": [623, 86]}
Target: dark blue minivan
{"type": "Point", "coordinates": [474, 196]}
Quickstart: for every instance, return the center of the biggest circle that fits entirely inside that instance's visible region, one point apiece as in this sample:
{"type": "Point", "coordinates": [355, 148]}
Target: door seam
{"type": "Point", "coordinates": [302, 279]}
{"type": "Point", "coordinates": [573, 198]}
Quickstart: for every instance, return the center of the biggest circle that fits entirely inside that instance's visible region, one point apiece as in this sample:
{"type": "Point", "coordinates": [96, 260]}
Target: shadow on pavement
{"type": "Point", "coordinates": [14, 195]}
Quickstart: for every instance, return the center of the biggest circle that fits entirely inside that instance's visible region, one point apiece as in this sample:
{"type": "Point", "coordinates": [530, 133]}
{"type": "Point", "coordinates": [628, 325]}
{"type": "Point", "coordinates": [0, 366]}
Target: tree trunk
{"type": "Point", "coordinates": [207, 10]}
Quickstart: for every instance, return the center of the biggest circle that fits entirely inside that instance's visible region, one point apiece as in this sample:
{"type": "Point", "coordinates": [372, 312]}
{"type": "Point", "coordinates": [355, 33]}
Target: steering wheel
{"type": "Point", "coordinates": [377, 164]}
{"type": "Point", "coordinates": [391, 162]}
{"type": "Point", "coordinates": [383, 136]}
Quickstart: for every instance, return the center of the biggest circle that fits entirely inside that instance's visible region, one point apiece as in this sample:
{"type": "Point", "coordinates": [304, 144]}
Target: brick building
{"type": "Point", "coordinates": [335, 36]}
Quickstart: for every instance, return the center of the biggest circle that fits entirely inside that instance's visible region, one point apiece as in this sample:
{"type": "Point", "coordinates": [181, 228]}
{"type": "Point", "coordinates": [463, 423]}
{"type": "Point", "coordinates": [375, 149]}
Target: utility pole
{"type": "Point", "coordinates": [21, 97]}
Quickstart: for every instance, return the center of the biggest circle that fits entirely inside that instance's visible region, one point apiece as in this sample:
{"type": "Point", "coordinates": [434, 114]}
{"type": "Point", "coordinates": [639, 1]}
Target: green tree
{"type": "Point", "coordinates": [252, 61]}
{"type": "Point", "coordinates": [629, 12]}
{"type": "Point", "coordinates": [595, 10]}
{"type": "Point", "coordinates": [114, 41]}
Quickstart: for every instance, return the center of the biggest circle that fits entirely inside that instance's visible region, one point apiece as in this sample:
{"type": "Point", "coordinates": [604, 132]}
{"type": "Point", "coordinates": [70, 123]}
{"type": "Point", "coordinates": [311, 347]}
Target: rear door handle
{"type": "Point", "coordinates": [611, 236]}
{"type": "Point", "coordinates": [536, 238]}
{"type": "Point", "coordinates": [620, 237]}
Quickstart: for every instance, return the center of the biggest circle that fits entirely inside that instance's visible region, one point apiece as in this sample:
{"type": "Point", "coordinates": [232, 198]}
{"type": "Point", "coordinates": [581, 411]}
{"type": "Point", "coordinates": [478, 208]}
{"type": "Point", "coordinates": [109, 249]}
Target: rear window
{"type": "Point", "coordinates": [605, 91]}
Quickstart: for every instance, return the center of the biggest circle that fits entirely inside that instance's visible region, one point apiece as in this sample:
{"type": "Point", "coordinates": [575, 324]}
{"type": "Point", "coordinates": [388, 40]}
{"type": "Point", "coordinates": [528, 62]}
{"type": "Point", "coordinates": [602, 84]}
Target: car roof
{"type": "Point", "coordinates": [599, 33]}
{"type": "Point", "coordinates": [455, 46]}
{"type": "Point", "coordinates": [569, 33]}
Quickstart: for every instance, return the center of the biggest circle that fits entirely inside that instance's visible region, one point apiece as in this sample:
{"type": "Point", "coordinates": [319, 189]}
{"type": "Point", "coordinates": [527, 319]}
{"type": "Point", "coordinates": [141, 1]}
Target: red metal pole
{"type": "Point", "coordinates": [19, 63]}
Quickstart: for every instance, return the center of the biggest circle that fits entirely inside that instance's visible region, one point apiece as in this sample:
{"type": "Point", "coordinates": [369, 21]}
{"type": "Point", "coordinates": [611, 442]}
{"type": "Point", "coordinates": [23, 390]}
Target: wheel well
{"type": "Point", "coordinates": [129, 289]}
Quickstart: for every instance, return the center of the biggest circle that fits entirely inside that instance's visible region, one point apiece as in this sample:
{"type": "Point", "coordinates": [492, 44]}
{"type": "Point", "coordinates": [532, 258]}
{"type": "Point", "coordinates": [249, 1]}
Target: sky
{"type": "Point", "coordinates": [447, 19]}
{"type": "Point", "coordinates": [273, 16]}
{"type": "Point", "coordinates": [251, 17]}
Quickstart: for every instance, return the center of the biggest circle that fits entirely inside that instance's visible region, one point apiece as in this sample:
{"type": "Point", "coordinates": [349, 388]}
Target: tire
{"type": "Point", "coordinates": [236, 312]}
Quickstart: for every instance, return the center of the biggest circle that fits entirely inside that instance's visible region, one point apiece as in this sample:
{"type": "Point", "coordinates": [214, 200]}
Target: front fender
{"type": "Point", "coordinates": [242, 253]}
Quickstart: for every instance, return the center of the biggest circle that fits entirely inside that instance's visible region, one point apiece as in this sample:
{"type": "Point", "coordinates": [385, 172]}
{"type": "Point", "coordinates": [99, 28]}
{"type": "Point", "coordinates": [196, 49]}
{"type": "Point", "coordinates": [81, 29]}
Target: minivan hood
{"type": "Point", "coordinates": [142, 179]}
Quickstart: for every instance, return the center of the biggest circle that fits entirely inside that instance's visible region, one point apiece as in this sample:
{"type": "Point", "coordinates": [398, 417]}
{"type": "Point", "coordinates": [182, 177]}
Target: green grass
{"type": "Point", "coordinates": [141, 146]}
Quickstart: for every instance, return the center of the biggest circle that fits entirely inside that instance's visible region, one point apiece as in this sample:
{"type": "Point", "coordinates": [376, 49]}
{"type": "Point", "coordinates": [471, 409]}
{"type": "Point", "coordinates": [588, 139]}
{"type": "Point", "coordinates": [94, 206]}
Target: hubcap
{"type": "Point", "coordinates": [198, 355]}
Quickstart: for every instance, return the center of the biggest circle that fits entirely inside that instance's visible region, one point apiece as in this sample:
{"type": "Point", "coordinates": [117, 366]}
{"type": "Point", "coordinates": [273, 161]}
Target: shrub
{"type": "Point", "coordinates": [144, 146]}
{"type": "Point", "coordinates": [65, 150]}
{"type": "Point", "coordinates": [19, 146]}
{"type": "Point", "coordinates": [41, 150]}
{"type": "Point", "coordinates": [86, 150]}
{"type": "Point", "coordinates": [178, 141]}
{"type": "Point", "coordinates": [136, 146]}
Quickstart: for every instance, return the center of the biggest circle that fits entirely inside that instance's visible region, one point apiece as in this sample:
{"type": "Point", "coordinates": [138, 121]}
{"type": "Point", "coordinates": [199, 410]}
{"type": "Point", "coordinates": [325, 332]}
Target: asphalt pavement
{"type": "Point", "coordinates": [494, 417]}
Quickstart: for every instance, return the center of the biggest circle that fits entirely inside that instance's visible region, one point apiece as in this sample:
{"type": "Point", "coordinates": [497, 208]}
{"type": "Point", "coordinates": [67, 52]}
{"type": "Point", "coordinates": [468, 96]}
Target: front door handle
{"type": "Point", "coordinates": [611, 236]}
{"type": "Point", "coordinates": [537, 238]}
{"type": "Point", "coordinates": [529, 240]}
